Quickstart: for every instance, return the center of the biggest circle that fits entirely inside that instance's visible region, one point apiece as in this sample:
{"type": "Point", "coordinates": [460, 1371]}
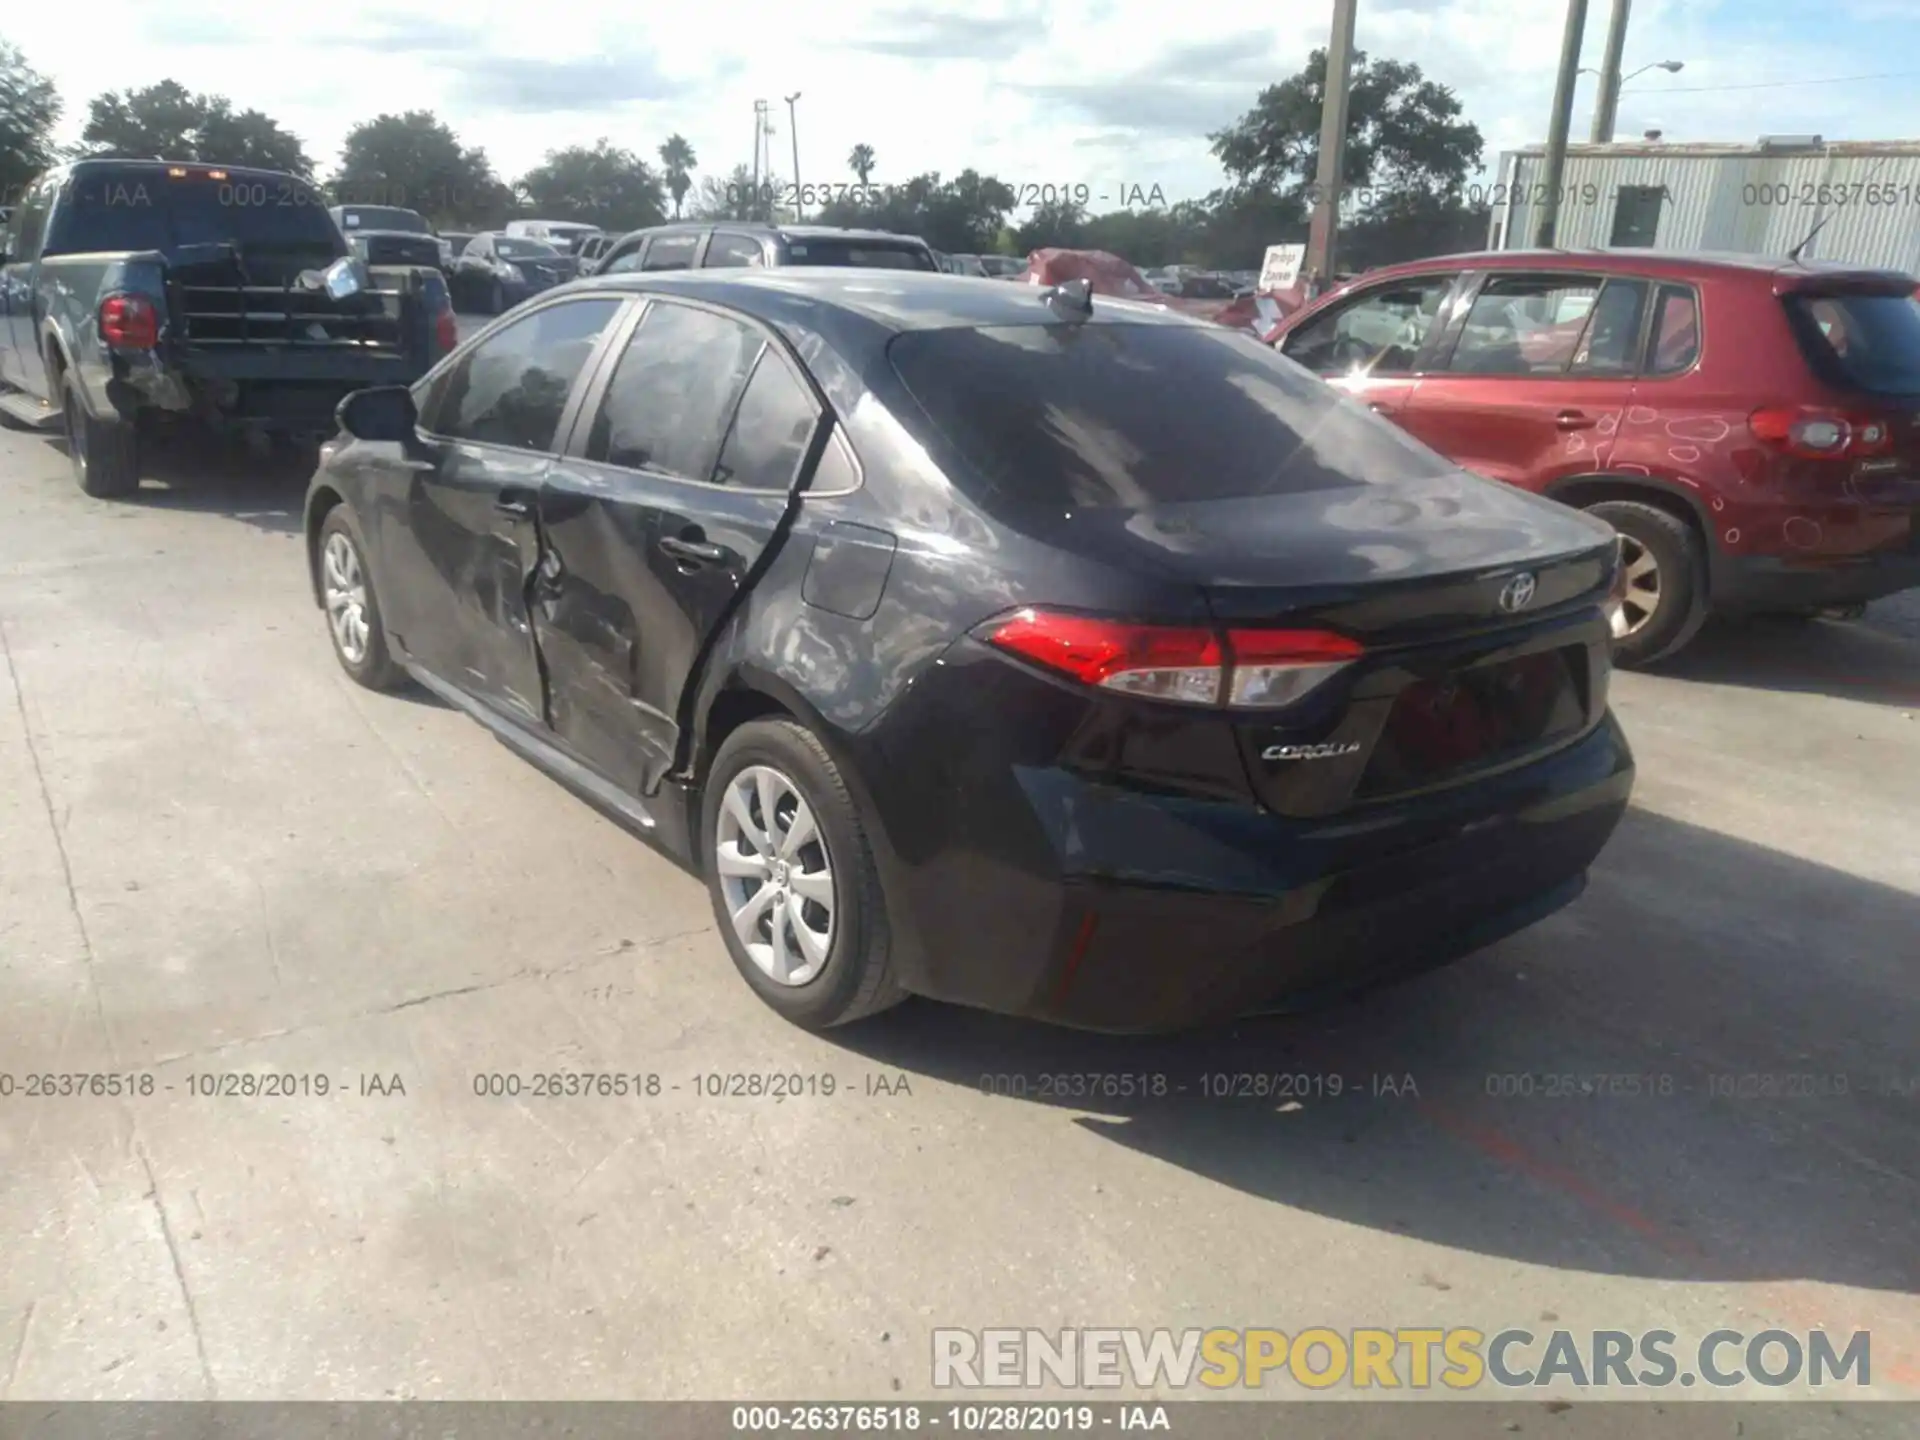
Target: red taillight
{"type": "Point", "coordinates": [446, 329]}
{"type": "Point", "coordinates": [1251, 668]}
{"type": "Point", "coordinates": [1815, 434]}
{"type": "Point", "coordinates": [129, 322]}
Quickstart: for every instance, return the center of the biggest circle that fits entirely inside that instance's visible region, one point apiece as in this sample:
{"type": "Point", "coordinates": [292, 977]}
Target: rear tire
{"type": "Point", "coordinates": [105, 454]}
{"type": "Point", "coordinates": [750, 869]}
{"type": "Point", "coordinates": [353, 610]}
{"type": "Point", "coordinates": [1668, 602]}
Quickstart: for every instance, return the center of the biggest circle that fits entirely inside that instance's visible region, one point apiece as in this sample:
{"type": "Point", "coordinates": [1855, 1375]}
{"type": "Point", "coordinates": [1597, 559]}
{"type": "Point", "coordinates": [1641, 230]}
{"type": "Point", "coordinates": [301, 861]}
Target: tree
{"type": "Point", "coordinates": [963, 215]}
{"type": "Point", "coordinates": [677, 157]}
{"type": "Point", "coordinates": [1404, 135]}
{"type": "Point", "coordinates": [1053, 222]}
{"type": "Point", "coordinates": [733, 197]}
{"type": "Point", "coordinates": [29, 109]}
{"type": "Point", "coordinates": [599, 184]}
{"type": "Point", "coordinates": [415, 160]}
{"type": "Point", "coordinates": [860, 161]}
{"type": "Point", "coordinates": [168, 122]}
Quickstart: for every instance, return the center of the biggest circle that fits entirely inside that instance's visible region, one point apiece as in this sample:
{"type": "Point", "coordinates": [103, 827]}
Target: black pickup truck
{"type": "Point", "coordinates": [134, 294]}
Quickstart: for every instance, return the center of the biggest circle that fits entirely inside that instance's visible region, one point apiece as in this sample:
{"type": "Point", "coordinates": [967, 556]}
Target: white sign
{"type": "Point", "coordinates": [1281, 268]}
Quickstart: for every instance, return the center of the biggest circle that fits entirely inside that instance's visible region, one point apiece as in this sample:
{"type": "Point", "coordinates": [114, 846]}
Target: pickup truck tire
{"type": "Point", "coordinates": [353, 611]}
{"type": "Point", "coordinates": [105, 454]}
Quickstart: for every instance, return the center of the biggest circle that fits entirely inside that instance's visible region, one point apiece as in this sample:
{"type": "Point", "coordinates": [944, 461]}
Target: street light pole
{"type": "Point", "coordinates": [1323, 230]}
{"type": "Point", "coordinates": [793, 131]}
{"type": "Point", "coordinates": [1607, 107]}
{"type": "Point", "coordinates": [1562, 121]}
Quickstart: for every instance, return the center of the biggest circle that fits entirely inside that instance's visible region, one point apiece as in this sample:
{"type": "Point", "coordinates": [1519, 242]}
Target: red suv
{"type": "Point", "coordinates": [1750, 426]}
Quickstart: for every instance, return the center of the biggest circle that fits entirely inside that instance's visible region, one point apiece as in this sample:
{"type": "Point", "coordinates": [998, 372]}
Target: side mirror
{"type": "Point", "coordinates": [345, 278]}
{"type": "Point", "coordinates": [385, 413]}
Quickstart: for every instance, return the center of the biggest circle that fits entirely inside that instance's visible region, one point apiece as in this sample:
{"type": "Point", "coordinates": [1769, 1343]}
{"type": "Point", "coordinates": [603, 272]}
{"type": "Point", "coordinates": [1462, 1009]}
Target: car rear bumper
{"type": "Point", "coordinates": [1756, 584]}
{"type": "Point", "coordinates": [1140, 912]}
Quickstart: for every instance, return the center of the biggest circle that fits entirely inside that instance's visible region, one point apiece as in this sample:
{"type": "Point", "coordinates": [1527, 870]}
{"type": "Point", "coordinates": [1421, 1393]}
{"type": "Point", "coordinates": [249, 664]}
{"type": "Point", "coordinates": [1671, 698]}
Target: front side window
{"type": "Point", "coordinates": [1525, 325]}
{"type": "Point", "coordinates": [623, 262]}
{"type": "Point", "coordinates": [672, 395]}
{"type": "Point", "coordinates": [512, 388]}
{"type": "Point", "coordinates": [1376, 333]}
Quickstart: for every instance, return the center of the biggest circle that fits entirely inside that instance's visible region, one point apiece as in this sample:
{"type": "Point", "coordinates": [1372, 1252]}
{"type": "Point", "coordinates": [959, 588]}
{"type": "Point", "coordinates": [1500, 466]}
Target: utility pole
{"type": "Point", "coordinates": [793, 130]}
{"type": "Point", "coordinates": [1549, 221]}
{"type": "Point", "coordinates": [1607, 107]}
{"type": "Point", "coordinates": [759, 129]}
{"type": "Point", "coordinates": [1323, 230]}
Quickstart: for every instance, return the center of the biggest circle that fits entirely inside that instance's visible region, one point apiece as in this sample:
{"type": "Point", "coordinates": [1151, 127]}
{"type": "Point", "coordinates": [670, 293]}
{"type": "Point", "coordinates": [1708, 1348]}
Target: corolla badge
{"type": "Point", "coordinates": [1517, 593]}
{"type": "Point", "coordinates": [1329, 751]}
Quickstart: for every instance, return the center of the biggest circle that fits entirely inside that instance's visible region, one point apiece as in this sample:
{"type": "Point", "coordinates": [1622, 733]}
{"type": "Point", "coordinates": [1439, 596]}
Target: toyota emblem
{"type": "Point", "coordinates": [1517, 593]}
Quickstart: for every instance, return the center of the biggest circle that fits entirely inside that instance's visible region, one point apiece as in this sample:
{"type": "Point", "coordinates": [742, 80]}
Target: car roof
{"type": "Point", "coordinates": [1676, 264]}
{"type": "Point", "coordinates": [889, 300]}
{"type": "Point", "coordinates": [762, 227]}
{"type": "Point", "coordinates": [108, 162]}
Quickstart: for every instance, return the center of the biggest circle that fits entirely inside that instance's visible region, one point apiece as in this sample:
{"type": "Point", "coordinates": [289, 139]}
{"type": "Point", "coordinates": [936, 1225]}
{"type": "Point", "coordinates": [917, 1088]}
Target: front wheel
{"type": "Point", "coordinates": [795, 892]}
{"type": "Point", "coordinates": [353, 611]}
{"type": "Point", "coordinates": [1666, 592]}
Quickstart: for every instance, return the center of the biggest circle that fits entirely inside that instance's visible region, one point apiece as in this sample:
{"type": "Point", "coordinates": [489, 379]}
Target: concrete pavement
{"type": "Point", "coordinates": [220, 858]}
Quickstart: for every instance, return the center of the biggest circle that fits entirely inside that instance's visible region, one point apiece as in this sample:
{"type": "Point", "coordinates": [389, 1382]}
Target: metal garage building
{"type": "Point", "coordinates": [1757, 199]}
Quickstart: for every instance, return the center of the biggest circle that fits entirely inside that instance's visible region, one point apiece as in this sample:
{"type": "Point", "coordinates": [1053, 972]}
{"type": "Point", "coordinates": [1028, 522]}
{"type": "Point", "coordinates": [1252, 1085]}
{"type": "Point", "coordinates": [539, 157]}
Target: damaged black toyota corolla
{"type": "Point", "coordinates": [1068, 658]}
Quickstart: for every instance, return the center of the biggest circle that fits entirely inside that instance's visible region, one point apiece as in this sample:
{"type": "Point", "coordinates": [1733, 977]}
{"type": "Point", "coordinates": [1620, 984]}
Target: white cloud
{"type": "Point", "coordinates": [1107, 93]}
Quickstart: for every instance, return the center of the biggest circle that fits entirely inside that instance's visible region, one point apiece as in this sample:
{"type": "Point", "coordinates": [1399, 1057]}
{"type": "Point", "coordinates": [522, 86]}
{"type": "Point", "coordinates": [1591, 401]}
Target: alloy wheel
{"type": "Point", "coordinates": [345, 589]}
{"type": "Point", "coordinates": [1642, 599]}
{"type": "Point", "coordinates": [775, 875]}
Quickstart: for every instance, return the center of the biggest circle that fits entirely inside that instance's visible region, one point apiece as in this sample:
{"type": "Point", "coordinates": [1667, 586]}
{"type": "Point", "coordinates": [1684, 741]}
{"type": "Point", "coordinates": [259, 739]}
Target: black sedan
{"type": "Point", "coordinates": [1050, 654]}
{"type": "Point", "coordinates": [495, 272]}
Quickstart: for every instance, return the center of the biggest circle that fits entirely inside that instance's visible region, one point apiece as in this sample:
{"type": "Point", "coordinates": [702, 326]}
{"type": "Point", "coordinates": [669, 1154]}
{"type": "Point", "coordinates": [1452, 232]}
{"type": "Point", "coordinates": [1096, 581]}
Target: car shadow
{"type": "Point", "coordinates": [1846, 660]}
{"type": "Point", "coordinates": [1704, 1070]}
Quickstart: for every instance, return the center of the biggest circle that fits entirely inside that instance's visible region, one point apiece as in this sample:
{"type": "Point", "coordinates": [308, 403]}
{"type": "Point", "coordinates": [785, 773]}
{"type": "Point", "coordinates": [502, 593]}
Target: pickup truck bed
{"type": "Point", "coordinates": [217, 317]}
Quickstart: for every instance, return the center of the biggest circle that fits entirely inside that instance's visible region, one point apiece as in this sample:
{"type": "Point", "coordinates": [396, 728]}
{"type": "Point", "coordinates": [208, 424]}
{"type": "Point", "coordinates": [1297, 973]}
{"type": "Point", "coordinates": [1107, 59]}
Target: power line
{"type": "Point", "coordinates": [1773, 84]}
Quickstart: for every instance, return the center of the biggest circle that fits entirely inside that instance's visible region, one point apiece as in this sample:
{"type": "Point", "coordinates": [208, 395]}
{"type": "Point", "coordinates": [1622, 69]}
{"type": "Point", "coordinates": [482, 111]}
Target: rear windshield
{"type": "Point", "coordinates": [865, 254]}
{"type": "Point", "coordinates": [1098, 415]}
{"type": "Point", "coordinates": [516, 249]}
{"type": "Point", "coordinates": [383, 217]}
{"type": "Point", "coordinates": [150, 210]}
{"type": "Point", "coordinates": [1861, 342]}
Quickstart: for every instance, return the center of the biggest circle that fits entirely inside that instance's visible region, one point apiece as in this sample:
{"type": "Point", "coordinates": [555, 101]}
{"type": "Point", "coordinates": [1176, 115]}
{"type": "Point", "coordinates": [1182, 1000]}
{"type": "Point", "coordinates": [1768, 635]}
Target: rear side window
{"type": "Point", "coordinates": [1121, 415]}
{"type": "Point", "coordinates": [673, 392]}
{"type": "Point", "coordinates": [770, 429]}
{"type": "Point", "coordinates": [1610, 344]}
{"type": "Point", "coordinates": [1673, 343]}
{"type": "Point", "coordinates": [149, 210]}
{"type": "Point", "coordinates": [671, 252]}
{"type": "Point", "coordinates": [866, 255]}
{"type": "Point", "coordinates": [1524, 325]}
{"type": "Point", "coordinates": [1861, 342]}
{"type": "Point", "coordinates": [512, 388]}
{"type": "Point", "coordinates": [733, 250]}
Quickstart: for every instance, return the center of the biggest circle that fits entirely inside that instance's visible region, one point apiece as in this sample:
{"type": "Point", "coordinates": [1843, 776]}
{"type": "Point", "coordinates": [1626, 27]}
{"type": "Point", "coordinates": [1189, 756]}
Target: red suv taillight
{"type": "Point", "coordinates": [1815, 434]}
{"type": "Point", "coordinates": [1250, 669]}
{"type": "Point", "coordinates": [446, 329]}
{"type": "Point", "coordinates": [129, 322]}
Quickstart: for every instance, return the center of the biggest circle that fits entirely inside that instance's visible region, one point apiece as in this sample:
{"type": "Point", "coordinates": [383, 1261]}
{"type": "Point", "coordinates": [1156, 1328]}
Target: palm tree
{"type": "Point", "coordinates": [860, 161]}
{"type": "Point", "coordinates": [676, 155]}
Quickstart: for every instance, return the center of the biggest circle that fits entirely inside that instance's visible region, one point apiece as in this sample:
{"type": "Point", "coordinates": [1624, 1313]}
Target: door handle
{"type": "Point", "coordinates": [691, 549]}
{"type": "Point", "coordinates": [1574, 420]}
{"type": "Point", "coordinates": [512, 502]}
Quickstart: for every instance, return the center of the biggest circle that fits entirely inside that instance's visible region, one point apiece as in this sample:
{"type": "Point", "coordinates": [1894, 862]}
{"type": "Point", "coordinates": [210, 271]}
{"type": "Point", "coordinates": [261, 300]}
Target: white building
{"type": "Point", "coordinates": [1759, 199]}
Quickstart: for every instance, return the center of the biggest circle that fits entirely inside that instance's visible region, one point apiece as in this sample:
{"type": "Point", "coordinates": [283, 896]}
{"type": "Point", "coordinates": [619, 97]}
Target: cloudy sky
{"type": "Point", "coordinates": [1106, 93]}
